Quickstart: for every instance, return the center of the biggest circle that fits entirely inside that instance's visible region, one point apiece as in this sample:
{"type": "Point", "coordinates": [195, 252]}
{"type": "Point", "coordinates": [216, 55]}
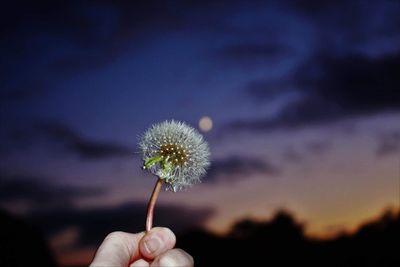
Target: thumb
{"type": "Point", "coordinates": [118, 249]}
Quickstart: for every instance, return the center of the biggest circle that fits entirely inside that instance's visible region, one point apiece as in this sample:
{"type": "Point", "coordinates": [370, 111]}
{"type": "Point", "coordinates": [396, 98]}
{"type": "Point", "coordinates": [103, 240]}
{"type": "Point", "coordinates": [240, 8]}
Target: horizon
{"type": "Point", "coordinates": [243, 230]}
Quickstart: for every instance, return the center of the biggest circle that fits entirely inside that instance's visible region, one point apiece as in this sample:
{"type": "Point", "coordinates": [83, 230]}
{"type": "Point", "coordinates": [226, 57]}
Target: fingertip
{"type": "Point", "coordinates": [140, 263]}
{"type": "Point", "coordinates": [172, 258]}
{"type": "Point", "coordinates": [156, 241]}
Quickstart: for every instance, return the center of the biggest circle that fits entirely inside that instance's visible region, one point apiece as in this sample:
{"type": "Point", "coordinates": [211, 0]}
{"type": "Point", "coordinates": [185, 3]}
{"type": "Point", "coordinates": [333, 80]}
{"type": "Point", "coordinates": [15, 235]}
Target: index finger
{"type": "Point", "coordinates": [118, 249]}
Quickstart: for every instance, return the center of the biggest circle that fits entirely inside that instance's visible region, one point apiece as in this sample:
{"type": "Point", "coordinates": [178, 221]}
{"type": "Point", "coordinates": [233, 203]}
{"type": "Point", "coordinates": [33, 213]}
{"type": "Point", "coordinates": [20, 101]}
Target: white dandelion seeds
{"type": "Point", "coordinates": [177, 154]}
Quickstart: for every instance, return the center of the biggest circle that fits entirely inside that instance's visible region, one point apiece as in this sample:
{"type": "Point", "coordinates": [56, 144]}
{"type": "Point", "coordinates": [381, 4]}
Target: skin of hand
{"type": "Point", "coordinates": [154, 248]}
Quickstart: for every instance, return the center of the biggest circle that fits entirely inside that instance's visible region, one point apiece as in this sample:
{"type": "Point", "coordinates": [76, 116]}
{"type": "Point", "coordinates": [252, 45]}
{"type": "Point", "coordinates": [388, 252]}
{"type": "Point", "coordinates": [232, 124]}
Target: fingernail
{"type": "Point", "coordinates": [152, 244]}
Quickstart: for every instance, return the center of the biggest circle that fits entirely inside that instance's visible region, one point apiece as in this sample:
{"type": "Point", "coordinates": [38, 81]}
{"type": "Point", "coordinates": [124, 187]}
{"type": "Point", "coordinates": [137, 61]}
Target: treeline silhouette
{"type": "Point", "coordinates": [22, 244]}
{"type": "Point", "coordinates": [278, 242]}
{"type": "Point", "coordinates": [281, 242]}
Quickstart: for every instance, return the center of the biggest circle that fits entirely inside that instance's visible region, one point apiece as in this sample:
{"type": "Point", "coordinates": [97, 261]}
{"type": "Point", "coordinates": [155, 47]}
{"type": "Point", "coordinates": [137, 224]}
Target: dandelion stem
{"type": "Point", "coordinates": [152, 203]}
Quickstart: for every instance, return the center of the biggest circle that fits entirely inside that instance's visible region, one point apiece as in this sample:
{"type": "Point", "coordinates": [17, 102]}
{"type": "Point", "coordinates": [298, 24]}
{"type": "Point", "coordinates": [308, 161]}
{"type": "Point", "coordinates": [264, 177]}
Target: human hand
{"type": "Point", "coordinates": [155, 248]}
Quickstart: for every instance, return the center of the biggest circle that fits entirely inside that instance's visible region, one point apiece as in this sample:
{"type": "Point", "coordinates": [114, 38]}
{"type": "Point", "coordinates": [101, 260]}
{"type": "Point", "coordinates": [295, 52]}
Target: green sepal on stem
{"type": "Point", "coordinates": [166, 166]}
{"type": "Point", "coordinates": [152, 161]}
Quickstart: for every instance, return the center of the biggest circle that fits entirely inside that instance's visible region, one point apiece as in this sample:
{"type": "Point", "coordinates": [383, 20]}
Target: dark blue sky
{"type": "Point", "coordinates": [304, 98]}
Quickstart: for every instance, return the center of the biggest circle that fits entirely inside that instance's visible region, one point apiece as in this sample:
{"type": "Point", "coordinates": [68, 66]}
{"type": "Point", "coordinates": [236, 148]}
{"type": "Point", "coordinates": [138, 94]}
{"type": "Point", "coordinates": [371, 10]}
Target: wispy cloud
{"type": "Point", "coordinates": [41, 193]}
{"type": "Point", "coordinates": [58, 134]}
{"type": "Point", "coordinates": [254, 53]}
{"type": "Point", "coordinates": [81, 146]}
{"type": "Point", "coordinates": [55, 41]}
{"type": "Point", "coordinates": [388, 144]}
{"type": "Point", "coordinates": [239, 167]}
{"type": "Point", "coordinates": [335, 89]}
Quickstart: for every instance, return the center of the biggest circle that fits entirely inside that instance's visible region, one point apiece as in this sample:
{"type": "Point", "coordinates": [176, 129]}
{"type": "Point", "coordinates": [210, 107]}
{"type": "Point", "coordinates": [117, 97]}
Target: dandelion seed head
{"type": "Point", "coordinates": [175, 152]}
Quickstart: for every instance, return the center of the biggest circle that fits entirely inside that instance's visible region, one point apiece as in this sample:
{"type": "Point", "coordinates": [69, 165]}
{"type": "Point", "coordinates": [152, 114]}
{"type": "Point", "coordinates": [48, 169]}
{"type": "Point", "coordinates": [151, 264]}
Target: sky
{"type": "Point", "coordinates": [303, 95]}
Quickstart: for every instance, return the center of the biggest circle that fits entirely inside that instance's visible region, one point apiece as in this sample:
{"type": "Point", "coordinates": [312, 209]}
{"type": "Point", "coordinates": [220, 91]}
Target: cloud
{"type": "Point", "coordinates": [388, 144]}
{"type": "Point", "coordinates": [47, 40]}
{"type": "Point", "coordinates": [94, 224]}
{"type": "Point", "coordinates": [335, 89]}
{"type": "Point", "coordinates": [261, 91]}
{"type": "Point", "coordinates": [55, 41]}
{"type": "Point", "coordinates": [39, 192]}
{"type": "Point", "coordinates": [318, 147]}
{"type": "Point", "coordinates": [354, 84]}
{"type": "Point", "coordinates": [24, 93]}
{"type": "Point", "coordinates": [58, 134]}
{"type": "Point", "coordinates": [238, 167]}
{"type": "Point", "coordinates": [81, 146]}
{"type": "Point", "coordinates": [291, 155]}
{"type": "Point", "coordinates": [305, 112]}
{"type": "Point", "coordinates": [338, 58]}
{"type": "Point", "coordinates": [287, 32]}
{"type": "Point", "coordinates": [253, 53]}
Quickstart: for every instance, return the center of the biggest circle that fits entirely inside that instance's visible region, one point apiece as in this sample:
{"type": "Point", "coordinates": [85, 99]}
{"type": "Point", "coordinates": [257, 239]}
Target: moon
{"type": "Point", "coordinates": [205, 124]}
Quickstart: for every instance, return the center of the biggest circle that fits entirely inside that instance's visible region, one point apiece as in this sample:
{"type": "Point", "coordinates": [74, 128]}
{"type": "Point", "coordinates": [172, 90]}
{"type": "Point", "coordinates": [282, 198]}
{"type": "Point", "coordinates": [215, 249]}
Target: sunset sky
{"type": "Point", "coordinates": [304, 98]}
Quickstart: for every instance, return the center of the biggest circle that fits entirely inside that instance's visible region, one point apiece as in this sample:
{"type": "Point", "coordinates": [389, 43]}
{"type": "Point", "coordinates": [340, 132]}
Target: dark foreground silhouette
{"type": "Point", "coordinates": [279, 242]}
{"type": "Point", "coordinates": [22, 244]}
